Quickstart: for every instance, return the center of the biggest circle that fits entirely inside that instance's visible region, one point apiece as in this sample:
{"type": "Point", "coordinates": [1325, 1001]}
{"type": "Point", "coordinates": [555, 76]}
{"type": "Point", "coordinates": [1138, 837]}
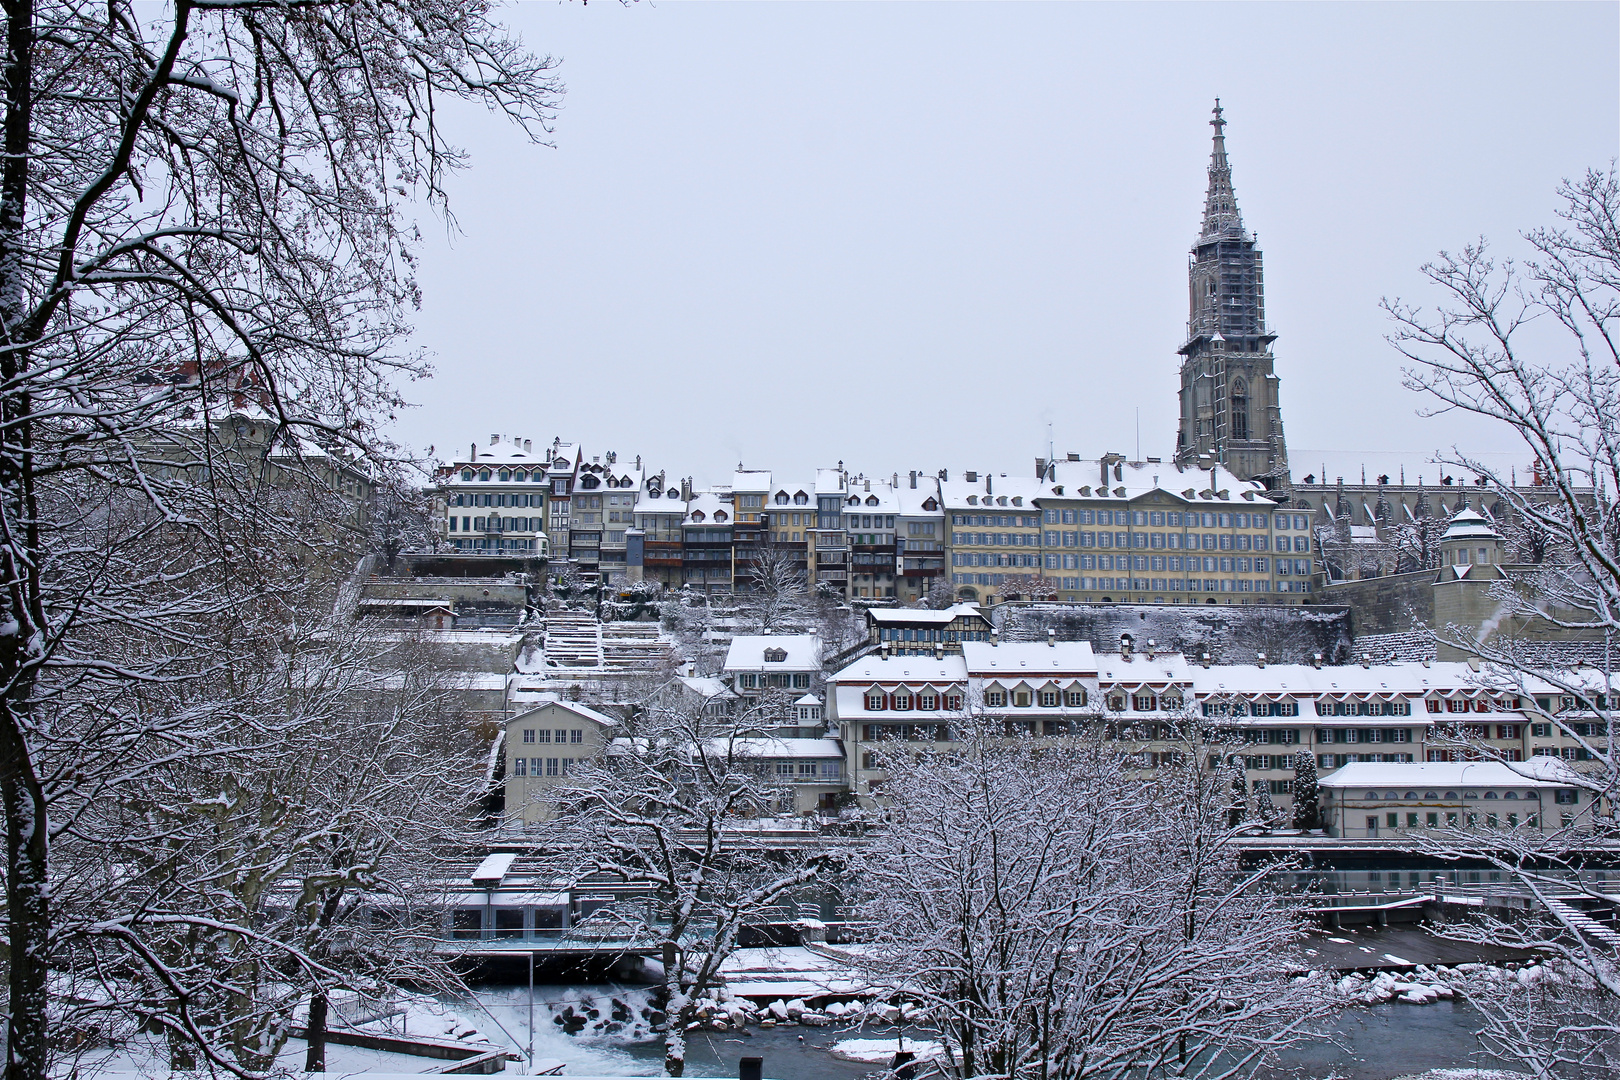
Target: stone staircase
{"type": "Point", "coordinates": [1583, 923]}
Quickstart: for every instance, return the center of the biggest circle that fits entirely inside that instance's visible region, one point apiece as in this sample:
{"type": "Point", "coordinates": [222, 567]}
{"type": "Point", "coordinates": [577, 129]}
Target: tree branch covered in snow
{"type": "Point", "coordinates": [1536, 347]}
{"type": "Point", "coordinates": [1064, 912]}
{"type": "Point", "coordinates": [677, 803]}
{"type": "Point", "coordinates": [206, 271]}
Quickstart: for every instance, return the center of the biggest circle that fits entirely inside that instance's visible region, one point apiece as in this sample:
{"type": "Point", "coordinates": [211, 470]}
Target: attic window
{"type": "Point", "coordinates": [589, 482]}
{"type": "Point", "coordinates": [781, 498]}
{"type": "Point", "coordinates": [1018, 500]}
{"type": "Point", "coordinates": [930, 505]}
{"type": "Point", "coordinates": [672, 494]}
{"type": "Point", "coordinates": [483, 474]}
{"type": "Point", "coordinates": [973, 500]}
{"type": "Point", "coordinates": [520, 476]}
{"type": "Point", "coordinates": [466, 474]}
{"type": "Point", "coordinates": [719, 515]}
{"type": "Point", "coordinates": [505, 474]}
{"type": "Point", "coordinates": [853, 500]}
{"type": "Point", "coordinates": [800, 499]}
{"type": "Point", "coordinates": [654, 493]}
{"type": "Point", "coordinates": [1002, 501]}
{"type": "Point", "coordinates": [775, 656]}
{"type": "Point", "coordinates": [561, 465]}
{"type": "Point", "coordinates": [697, 515]}
{"type": "Point", "coordinates": [871, 500]}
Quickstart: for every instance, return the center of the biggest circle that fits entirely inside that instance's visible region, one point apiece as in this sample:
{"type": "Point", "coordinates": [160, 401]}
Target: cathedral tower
{"type": "Point", "coordinates": [1229, 407]}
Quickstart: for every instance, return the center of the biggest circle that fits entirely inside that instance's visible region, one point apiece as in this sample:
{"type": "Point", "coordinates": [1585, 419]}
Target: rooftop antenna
{"type": "Point", "coordinates": [1139, 413]}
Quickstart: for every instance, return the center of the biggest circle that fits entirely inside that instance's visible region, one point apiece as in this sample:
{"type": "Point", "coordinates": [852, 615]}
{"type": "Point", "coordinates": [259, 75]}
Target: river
{"type": "Point", "coordinates": [1367, 1043]}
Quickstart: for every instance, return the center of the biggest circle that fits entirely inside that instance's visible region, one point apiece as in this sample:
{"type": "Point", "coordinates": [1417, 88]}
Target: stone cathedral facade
{"type": "Point", "coordinates": [1230, 414]}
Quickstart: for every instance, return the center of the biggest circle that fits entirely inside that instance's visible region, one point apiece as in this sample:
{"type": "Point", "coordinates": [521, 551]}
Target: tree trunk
{"type": "Point", "coordinates": [315, 1059]}
{"type": "Point", "coordinates": [674, 1013]}
{"type": "Point", "coordinates": [28, 912]}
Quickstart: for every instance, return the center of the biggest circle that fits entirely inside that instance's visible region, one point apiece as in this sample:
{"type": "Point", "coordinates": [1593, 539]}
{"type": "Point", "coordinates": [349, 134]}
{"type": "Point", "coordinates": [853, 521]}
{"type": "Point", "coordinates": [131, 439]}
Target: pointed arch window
{"type": "Point", "coordinates": [1240, 411]}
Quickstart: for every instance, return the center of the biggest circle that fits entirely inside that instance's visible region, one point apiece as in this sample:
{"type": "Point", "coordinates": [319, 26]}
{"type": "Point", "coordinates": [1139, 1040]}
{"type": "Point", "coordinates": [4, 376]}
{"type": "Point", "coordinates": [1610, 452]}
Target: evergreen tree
{"type": "Point", "coordinates": [1306, 804]}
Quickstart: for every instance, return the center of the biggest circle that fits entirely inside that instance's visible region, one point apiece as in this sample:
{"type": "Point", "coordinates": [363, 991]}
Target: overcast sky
{"type": "Point", "coordinates": [915, 235]}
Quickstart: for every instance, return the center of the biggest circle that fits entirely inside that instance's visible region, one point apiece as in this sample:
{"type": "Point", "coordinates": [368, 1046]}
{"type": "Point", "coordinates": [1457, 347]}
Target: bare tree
{"type": "Point", "coordinates": [204, 273]}
{"type": "Point", "coordinates": [1558, 390]}
{"type": "Point", "coordinates": [400, 515]}
{"type": "Point", "coordinates": [677, 803]}
{"type": "Point", "coordinates": [1063, 912]}
{"type": "Point", "coordinates": [778, 597]}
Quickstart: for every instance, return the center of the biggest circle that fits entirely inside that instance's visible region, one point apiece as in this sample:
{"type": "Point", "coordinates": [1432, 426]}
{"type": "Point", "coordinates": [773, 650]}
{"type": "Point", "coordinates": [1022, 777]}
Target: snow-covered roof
{"type": "Point", "coordinates": [1163, 667]}
{"type": "Point", "coordinates": [706, 686]}
{"type": "Point", "coordinates": [766, 747]}
{"type": "Point", "coordinates": [1024, 657]}
{"type": "Point", "coordinates": [544, 700]}
{"type": "Point", "coordinates": [1470, 525]}
{"type": "Point", "coordinates": [910, 500]}
{"type": "Point", "coordinates": [1085, 479]}
{"type": "Point", "coordinates": [751, 480]}
{"type": "Point", "coordinates": [714, 510]}
{"type": "Point", "coordinates": [1367, 775]}
{"type": "Point", "coordinates": [997, 491]}
{"type": "Point", "coordinates": [505, 450]}
{"type": "Point", "coordinates": [875, 497]}
{"type": "Point", "coordinates": [1344, 680]}
{"type": "Point", "coordinates": [877, 668]}
{"type": "Point", "coordinates": [829, 482]}
{"type": "Point", "coordinates": [922, 616]}
{"type": "Point", "coordinates": [808, 699]}
{"type": "Point", "coordinates": [747, 652]}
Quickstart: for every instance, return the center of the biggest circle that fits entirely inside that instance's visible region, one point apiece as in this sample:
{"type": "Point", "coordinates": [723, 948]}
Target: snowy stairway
{"type": "Point", "coordinates": [1584, 923]}
{"type": "Point", "coordinates": [573, 640]}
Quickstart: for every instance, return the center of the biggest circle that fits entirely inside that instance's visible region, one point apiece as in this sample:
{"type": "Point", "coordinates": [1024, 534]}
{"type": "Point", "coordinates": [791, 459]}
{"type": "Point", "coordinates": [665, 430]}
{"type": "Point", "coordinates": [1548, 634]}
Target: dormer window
{"type": "Point", "coordinates": [505, 475]}
{"type": "Point", "coordinates": [781, 498]}
{"type": "Point", "coordinates": [973, 500]}
{"type": "Point", "coordinates": [775, 656]}
{"type": "Point", "coordinates": [720, 515]}
{"type": "Point", "coordinates": [466, 474]}
{"type": "Point", "coordinates": [697, 515]}
{"type": "Point", "coordinates": [483, 474]}
{"type": "Point", "coordinates": [871, 500]}
{"type": "Point", "coordinates": [930, 505]}
{"type": "Point", "coordinates": [520, 476]}
{"type": "Point", "coordinates": [801, 499]}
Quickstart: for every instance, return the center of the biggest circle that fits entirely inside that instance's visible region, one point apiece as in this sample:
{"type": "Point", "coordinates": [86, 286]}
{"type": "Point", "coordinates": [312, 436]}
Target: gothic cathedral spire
{"type": "Point", "coordinates": [1229, 408]}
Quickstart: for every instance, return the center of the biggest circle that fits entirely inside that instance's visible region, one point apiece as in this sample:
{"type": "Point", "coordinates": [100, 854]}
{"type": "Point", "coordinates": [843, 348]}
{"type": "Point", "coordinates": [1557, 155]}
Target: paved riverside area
{"type": "Point", "coordinates": [1396, 948]}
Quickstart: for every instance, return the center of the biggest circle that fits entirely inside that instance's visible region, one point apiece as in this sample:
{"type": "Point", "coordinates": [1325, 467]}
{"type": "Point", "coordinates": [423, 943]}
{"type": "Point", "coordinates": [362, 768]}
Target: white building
{"type": "Point", "coordinates": [1369, 800]}
{"type": "Point", "coordinates": [495, 499]}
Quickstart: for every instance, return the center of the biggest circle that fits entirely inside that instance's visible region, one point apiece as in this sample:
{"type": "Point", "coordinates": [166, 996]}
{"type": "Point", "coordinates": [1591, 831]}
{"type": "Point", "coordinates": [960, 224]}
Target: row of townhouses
{"type": "Point", "coordinates": [1399, 746]}
{"type": "Point", "coordinates": [1104, 530]}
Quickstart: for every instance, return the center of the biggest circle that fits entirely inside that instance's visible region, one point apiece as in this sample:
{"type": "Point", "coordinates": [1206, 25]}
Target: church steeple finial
{"type": "Point", "coordinates": [1221, 217]}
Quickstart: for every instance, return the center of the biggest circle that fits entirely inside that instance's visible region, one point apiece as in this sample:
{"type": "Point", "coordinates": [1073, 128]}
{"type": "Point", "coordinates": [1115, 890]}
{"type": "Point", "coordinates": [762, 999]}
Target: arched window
{"type": "Point", "coordinates": [1240, 411]}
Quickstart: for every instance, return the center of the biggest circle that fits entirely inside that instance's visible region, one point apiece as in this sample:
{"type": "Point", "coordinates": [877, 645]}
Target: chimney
{"type": "Point", "coordinates": [1366, 660]}
{"type": "Point", "coordinates": [988, 490]}
{"type": "Point", "coordinates": [528, 445]}
{"type": "Point", "coordinates": [1206, 660]}
{"type": "Point", "coordinates": [1040, 468]}
{"type": "Point", "coordinates": [1151, 646]}
{"type": "Point", "coordinates": [945, 475]}
{"type": "Point", "coordinates": [1316, 660]}
{"type": "Point", "coordinates": [971, 477]}
{"type": "Point", "coordinates": [686, 490]}
{"type": "Point", "coordinates": [493, 439]}
{"type": "Point", "coordinates": [939, 651]}
{"type": "Point", "coordinates": [1051, 639]}
{"type": "Point", "coordinates": [1260, 659]}
{"type": "Point", "coordinates": [474, 456]}
{"type": "Point", "coordinates": [638, 462]}
{"type": "Point", "coordinates": [1125, 645]}
{"type": "Point", "coordinates": [995, 636]}
{"type": "Point", "coordinates": [913, 479]}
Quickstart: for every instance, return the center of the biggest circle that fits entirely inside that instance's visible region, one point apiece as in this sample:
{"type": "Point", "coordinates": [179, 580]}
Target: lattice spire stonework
{"type": "Point", "coordinates": [1221, 216]}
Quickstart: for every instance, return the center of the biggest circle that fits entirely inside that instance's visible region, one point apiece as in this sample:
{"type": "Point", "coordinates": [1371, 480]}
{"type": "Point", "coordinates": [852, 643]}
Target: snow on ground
{"type": "Point", "coordinates": [1467, 1074]}
{"type": "Point", "coordinates": [882, 1051]}
{"type": "Point", "coordinates": [789, 972]}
